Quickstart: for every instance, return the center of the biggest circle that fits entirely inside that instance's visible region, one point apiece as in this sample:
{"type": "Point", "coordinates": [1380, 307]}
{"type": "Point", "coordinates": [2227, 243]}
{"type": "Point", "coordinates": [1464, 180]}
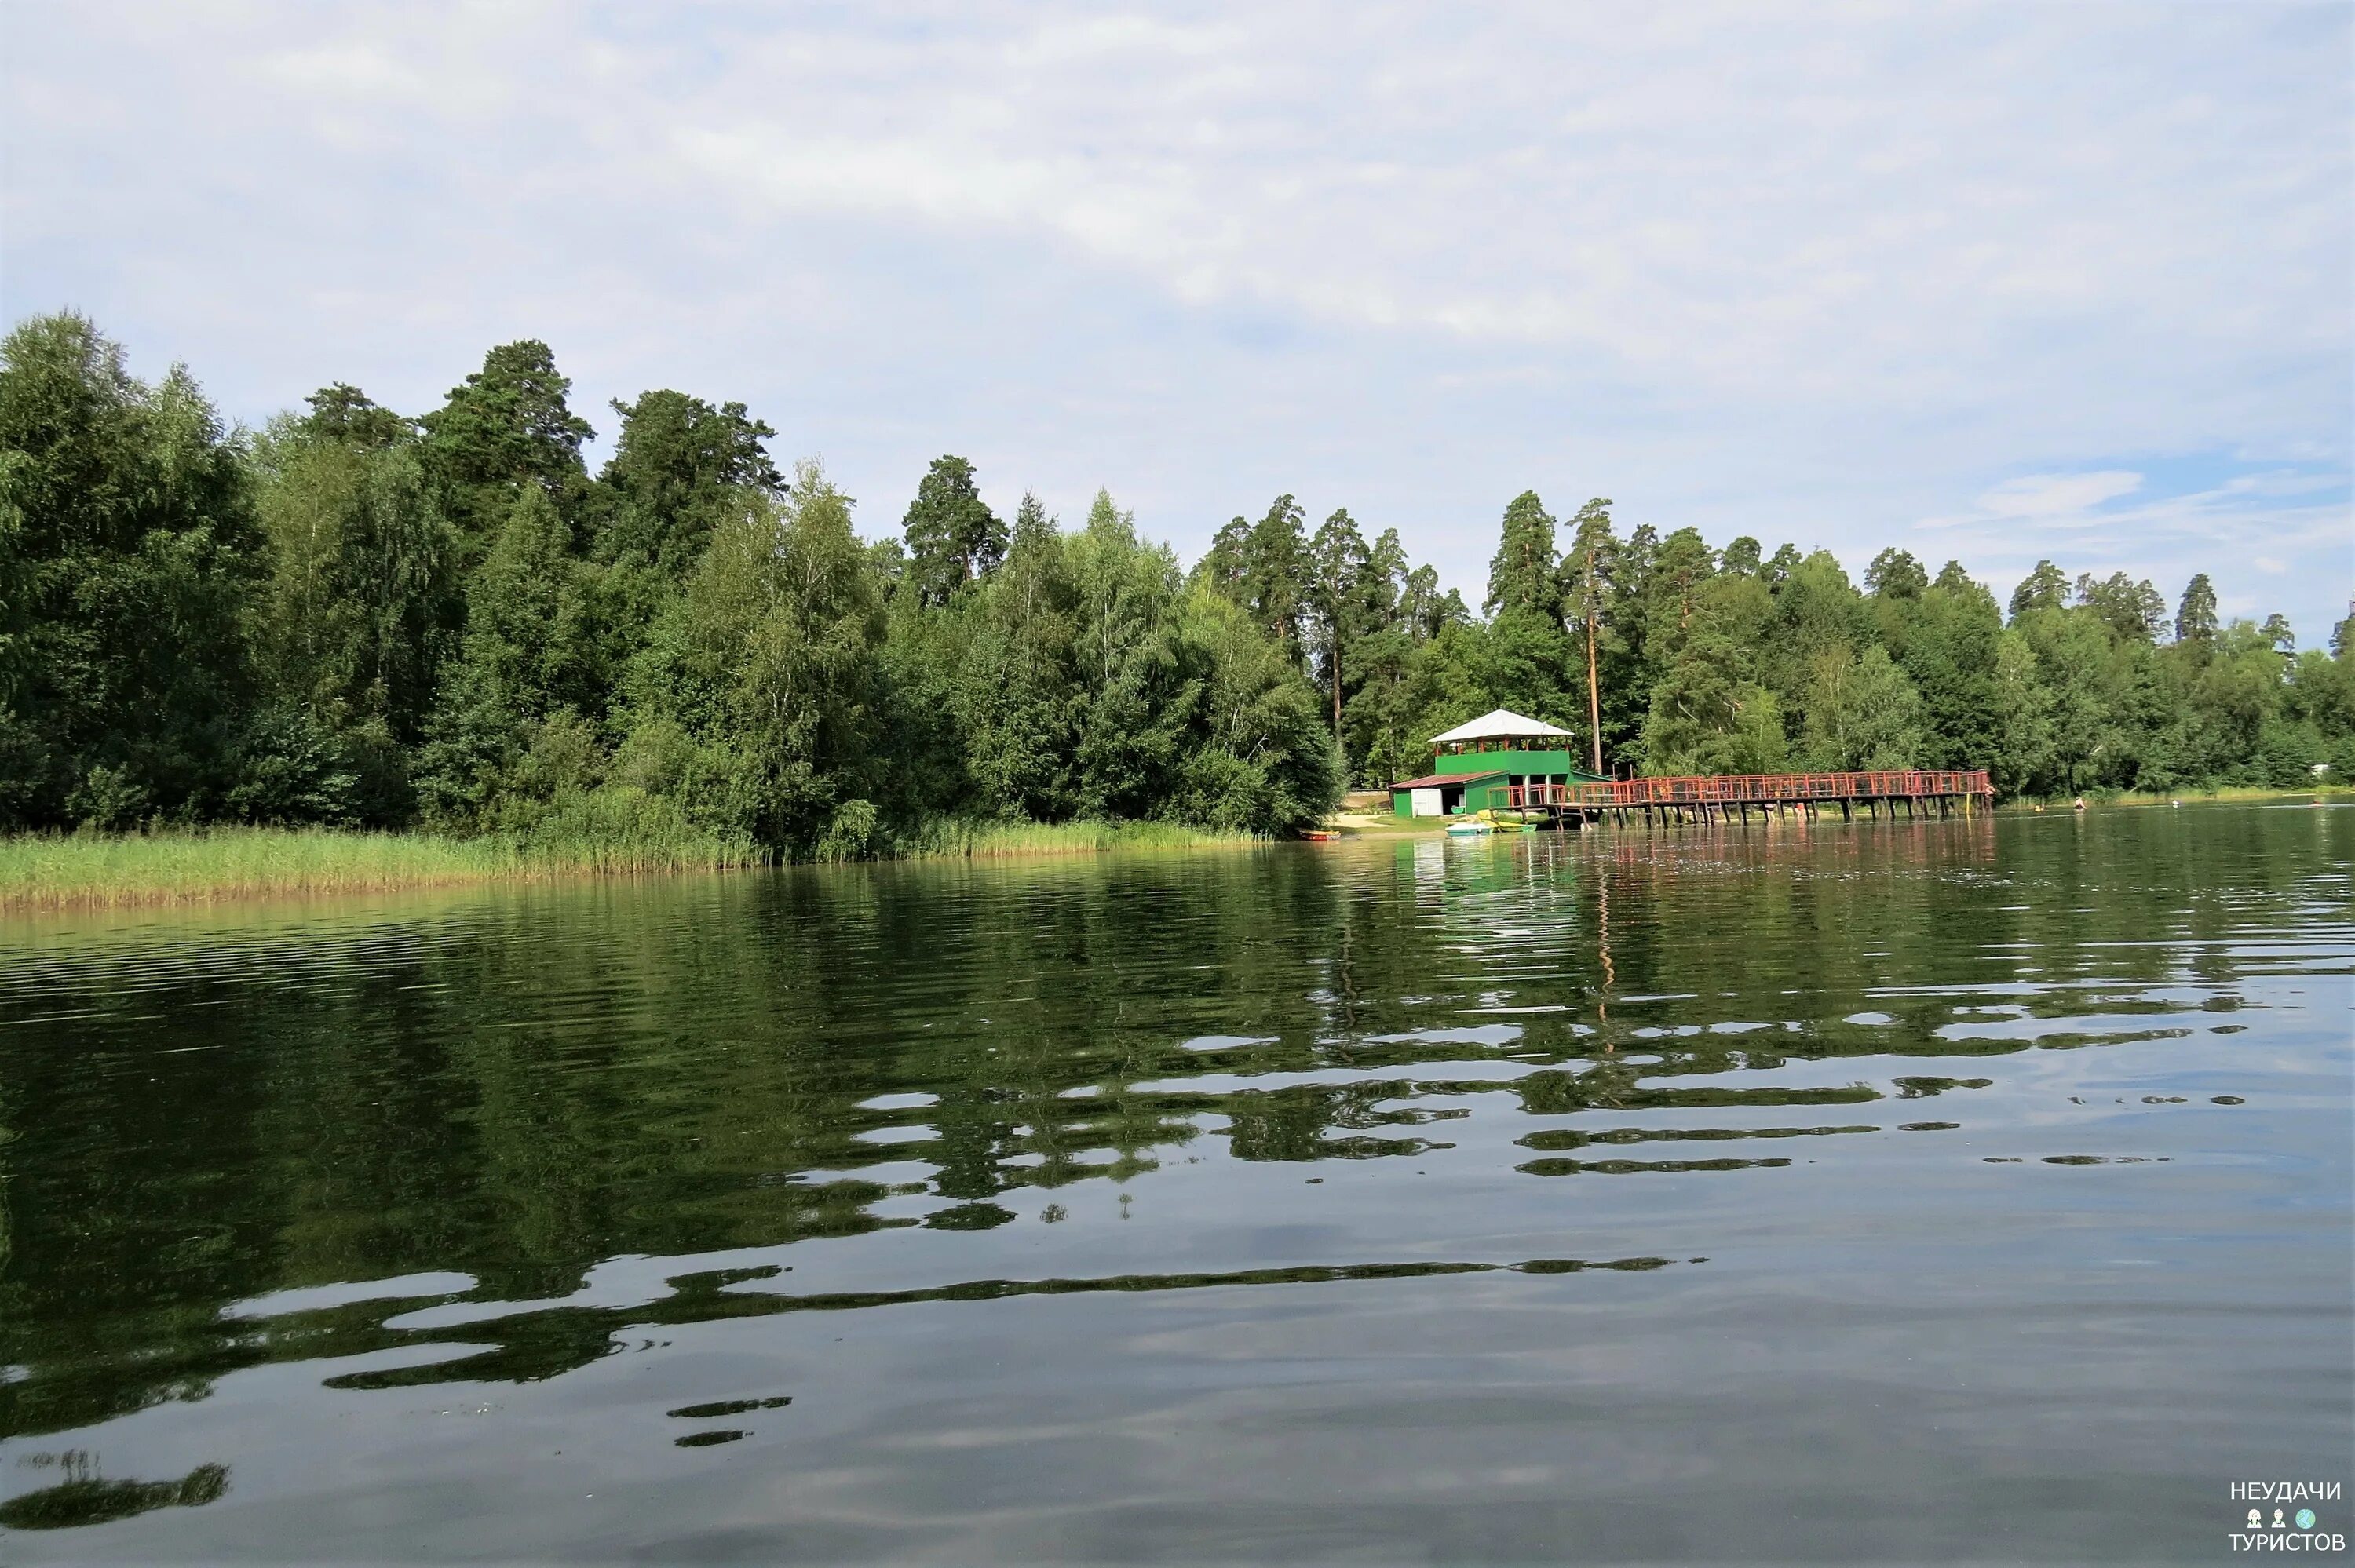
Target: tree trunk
{"type": "Point", "coordinates": [1334, 654]}
{"type": "Point", "coordinates": [1594, 694]}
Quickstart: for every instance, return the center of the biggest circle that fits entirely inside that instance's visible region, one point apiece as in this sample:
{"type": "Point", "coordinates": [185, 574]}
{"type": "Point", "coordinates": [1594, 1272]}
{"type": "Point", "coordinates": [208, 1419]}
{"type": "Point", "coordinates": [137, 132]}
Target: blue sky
{"type": "Point", "coordinates": [1988, 281]}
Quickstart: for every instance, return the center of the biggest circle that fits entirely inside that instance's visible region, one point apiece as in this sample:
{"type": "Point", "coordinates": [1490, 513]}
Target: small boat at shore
{"type": "Point", "coordinates": [1320, 835]}
{"type": "Point", "coordinates": [1469, 830]}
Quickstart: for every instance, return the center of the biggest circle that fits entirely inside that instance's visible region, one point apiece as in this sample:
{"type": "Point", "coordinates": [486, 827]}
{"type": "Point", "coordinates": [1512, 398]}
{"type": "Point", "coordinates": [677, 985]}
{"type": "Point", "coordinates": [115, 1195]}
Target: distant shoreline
{"type": "Point", "coordinates": [43, 874]}
{"type": "Point", "coordinates": [2229, 792]}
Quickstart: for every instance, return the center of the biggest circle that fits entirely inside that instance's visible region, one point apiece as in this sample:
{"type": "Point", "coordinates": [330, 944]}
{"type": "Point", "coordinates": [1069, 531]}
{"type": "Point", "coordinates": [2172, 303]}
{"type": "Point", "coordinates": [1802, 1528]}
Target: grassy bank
{"type": "Point", "coordinates": [958, 840]}
{"type": "Point", "coordinates": [104, 870]}
{"type": "Point", "coordinates": [2165, 797]}
{"type": "Point", "coordinates": [2224, 793]}
{"type": "Point", "coordinates": [95, 869]}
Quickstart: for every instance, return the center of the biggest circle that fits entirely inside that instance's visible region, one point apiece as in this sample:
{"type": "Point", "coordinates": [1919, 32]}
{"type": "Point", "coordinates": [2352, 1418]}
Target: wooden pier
{"type": "Point", "coordinates": [1918, 791]}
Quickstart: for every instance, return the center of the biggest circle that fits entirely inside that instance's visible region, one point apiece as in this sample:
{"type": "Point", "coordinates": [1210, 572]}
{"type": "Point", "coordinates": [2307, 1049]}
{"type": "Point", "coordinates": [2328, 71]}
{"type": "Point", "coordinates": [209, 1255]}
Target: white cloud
{"type": "Point", "coordinates": [2051, 496]}
{"type": "Point", "coordinates": [1804, 271]}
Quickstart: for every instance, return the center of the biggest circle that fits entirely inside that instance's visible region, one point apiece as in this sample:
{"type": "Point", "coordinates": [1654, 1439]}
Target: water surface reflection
{"type": "Point", "coordinates": [1471, 1195]}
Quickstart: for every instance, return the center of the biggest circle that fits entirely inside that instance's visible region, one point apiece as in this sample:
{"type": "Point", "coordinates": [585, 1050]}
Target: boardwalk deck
{"type": "Point", "coordinates": [1940, 792]}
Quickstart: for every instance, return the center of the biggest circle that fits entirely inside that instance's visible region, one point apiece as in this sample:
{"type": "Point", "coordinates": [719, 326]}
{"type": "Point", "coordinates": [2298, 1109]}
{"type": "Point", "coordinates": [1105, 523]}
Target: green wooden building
{"type": "Point", "coordinates": [1474, 765]}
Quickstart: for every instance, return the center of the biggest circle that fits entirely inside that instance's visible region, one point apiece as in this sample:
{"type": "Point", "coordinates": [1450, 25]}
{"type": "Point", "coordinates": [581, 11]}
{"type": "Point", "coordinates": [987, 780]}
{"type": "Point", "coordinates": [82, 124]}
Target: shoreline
{"type": "Point", "coordinates": [66, 873]}
{"type": "Point", "coordinates": [42, 874]}
{"type": "Point", "coordinates": [2224, 794]}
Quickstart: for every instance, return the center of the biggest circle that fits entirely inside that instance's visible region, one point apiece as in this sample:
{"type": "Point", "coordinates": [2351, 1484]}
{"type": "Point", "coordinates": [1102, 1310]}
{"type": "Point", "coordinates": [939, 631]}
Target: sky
{"type": "Point", "coordinates": [1992, 282]}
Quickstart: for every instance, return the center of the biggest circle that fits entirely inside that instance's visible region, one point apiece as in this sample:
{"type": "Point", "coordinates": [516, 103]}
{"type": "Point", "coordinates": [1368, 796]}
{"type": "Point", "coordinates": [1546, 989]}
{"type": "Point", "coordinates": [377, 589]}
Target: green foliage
{"type": "Point", "coordinates": [2195, 617]}
{"type": "Point", "coordinates": [350, 621]}
{"type": "Point", "coordinates": [127, 551]}
{"type": "Point", "coordinates": [763, 676]}
{"type": "Point", "coordinates": [1344, 601]}
{"type": "Point", "coordinates": [1895, 574]}
{"type": "Point", "coordinates": [1266, 567]}
{"type": "Point", "coordinates": [953, 538]}
{"type": "Point", "coordinates": [506, 426]}
{"type": "Point", "coordinates": [1709, 715]}
{"type": "Point", "coordinates": [1524, 577]}
{"type": "Point", "coordinates": [1861, 713]}
{"type": "Point", "coordinates": [2133, 611]}
{"type": "Point", "coordinates": [2021, 756]}
{"type": "Point", "coordinates": [676, 471]}
{"type": "Point", "coordinates": [2046, 587]}
{"type": "Point", "coordinates": [360, 619]}
{"type": "Point", "coordinates": [530, 656]}
{"type": "Point", "coordinates": [1259, 758]}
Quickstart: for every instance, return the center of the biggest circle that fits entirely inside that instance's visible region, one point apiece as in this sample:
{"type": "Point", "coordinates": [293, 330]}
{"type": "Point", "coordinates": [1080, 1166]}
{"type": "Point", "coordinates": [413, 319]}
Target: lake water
{"type": "Point", "coordinates": [1966, 1189]}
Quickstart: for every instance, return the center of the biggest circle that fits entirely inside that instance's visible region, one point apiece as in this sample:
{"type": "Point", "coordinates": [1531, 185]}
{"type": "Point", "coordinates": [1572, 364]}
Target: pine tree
{"type": "Point", "coordinates": [506, 426]}
{"type": "Point", "coordinates": [2046, 587]}
{"type": "Point", "coordinates": [1895, 574]}
{"type": "Point", "coordinates": [678, 465]}
{"type": "Point", "coordinates": [1338, 562]}
{"type": "Point", "coordinates": [953, 538]}
{"type": "Point", "coordinates": [1587, 569]}
{"type": "Point", "coordinates": [2195, 617]}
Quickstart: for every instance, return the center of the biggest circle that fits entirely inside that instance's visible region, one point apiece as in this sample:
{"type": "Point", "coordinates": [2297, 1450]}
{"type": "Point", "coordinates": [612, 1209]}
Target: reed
{"type": "Point", "coordinates": [2316, 792]}
{"type": "Point", "coordinates": [202, 865]}
{"type": "Point", "coordinates": [2235, 793]}
{"type": "Point", "coordinates": [206, 865]}
{"type": "Point", "coordinates": [952, 838]}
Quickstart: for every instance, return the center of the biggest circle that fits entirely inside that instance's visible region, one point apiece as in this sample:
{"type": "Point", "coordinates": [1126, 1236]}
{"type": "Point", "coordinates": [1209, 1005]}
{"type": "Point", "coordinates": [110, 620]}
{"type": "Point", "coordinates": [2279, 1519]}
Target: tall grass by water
{"type": "Point", "coordinates": [199, 866]}
{"type": "Point", "coordinates": [2320, 790]}
{"type": "Point", "coordinates": [958, 839]}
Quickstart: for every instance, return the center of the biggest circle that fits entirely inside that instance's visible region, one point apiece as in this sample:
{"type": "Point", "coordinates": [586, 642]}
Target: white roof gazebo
{"type": "Point", "coordinates": [1501, 724]}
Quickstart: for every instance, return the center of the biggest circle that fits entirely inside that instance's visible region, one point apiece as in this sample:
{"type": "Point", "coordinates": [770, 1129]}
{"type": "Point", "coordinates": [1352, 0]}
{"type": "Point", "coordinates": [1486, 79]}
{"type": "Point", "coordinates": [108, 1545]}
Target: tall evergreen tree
{"type": "Point", "coordinates": [1895, 574]}
{"type": "Point", "coordinates": [2046, 587]}
{"type": "Point", "coordinates": [1522, 578]}
{"type": "Point", "coordinates": [2133, 611]}
{"type": "Point", "coordinates": [678, 465]}
{"type": "Point", "coordinates": [1594, 555]}
{"type": "Point", "coordinates": [2195, 617]}
{"type": "Point", "coordinates": [1338, 564]}
{"type": "Point", "coordinates": [506, 426]}
{"type": "Point", "coordinates": [1275, 574]}
{"type": "Point", "coordinates": [1949, 654]}
{"type": "Point", "coordinates": [346, 414]}
{"type": "Point", "coordinates": [1685, 562]}
{"type": "Point", "coordinates": [1525, 662]}
{"type": "Point", "coordinates": [953, 538]}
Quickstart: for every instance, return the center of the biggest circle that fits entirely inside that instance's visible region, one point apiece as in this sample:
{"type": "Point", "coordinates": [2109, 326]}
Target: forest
{"type": "Point", "coordinates": [358, 618]}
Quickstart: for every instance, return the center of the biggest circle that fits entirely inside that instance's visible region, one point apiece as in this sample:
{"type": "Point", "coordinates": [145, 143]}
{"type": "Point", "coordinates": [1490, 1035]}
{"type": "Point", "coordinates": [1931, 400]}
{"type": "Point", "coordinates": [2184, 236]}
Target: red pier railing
{"type": "Point", "coordinates": [1754, 789]}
